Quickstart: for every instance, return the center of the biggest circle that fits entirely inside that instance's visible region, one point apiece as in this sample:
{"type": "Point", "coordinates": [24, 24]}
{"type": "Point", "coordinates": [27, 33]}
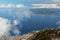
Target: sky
{"type": "Point", "coordinates": [25, 2]}
{"type": "Point", "coordinates": [29, 2]}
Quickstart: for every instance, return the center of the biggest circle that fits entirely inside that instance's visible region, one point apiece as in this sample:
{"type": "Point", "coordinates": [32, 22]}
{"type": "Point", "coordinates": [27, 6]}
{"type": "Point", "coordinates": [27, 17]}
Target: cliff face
{"type": "Point", "coordinates": [48, 34]}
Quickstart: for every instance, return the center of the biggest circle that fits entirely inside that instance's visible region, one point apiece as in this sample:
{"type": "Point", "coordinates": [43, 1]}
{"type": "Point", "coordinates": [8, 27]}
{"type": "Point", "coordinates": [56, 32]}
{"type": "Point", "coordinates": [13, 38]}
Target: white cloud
{"type": "Point", "coordinates": [16, 31]}
{"type": "Point", "coordinates": [19, 6]}
{"type": "Point", "coordinates": [58, 22]}
{"type": "Point", "coordinates": [4, 26]}
{"type": "Point", "coordinates": [27, 13]}
{"type": "Point", "coordinates": [11, 6]}
{"type": "Point", "coordinates": [24, 13]}
{"type": "Point", "coordinates": [15, 22]}
{"type": "Point", "coordinates": [1, 6]}
{"type": "Point", "coordinates": [45, 6]}
{"type": "Point", "coordinates": [56, 0]}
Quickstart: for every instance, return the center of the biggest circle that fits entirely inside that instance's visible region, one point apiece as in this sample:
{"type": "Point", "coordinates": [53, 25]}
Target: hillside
{"type": "Point", "coordinates": [48, 34]}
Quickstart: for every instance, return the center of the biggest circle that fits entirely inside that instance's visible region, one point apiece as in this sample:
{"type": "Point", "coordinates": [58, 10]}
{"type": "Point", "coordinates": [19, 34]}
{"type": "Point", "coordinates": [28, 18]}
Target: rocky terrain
{"type": "Point", "coordinates": [48, 34]}
{"type": "Point", "coordinates": [45, 34]}
{"type": "Point", "coordinates": [23, 37]}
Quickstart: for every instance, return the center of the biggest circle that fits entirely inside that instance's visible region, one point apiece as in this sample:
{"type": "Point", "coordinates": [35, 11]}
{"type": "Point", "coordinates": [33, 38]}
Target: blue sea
{"type": "Point", "coordinates": [31, 19]}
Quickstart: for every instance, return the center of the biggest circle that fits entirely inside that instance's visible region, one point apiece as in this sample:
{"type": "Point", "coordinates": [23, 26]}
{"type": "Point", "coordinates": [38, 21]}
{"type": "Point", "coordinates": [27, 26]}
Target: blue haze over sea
{"type": "Point", "coordinates": [38, 20]}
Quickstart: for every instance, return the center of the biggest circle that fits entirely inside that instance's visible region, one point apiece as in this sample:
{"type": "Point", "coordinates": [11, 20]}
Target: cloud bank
{"type": "Point", "coordinates": [56, 0]}
{"type": "Point", "coordinates": [11, 6]}
{"type": "Point", "coordinates": [45, 6]}
{"type": "Point", "coordinates": [4, 26]}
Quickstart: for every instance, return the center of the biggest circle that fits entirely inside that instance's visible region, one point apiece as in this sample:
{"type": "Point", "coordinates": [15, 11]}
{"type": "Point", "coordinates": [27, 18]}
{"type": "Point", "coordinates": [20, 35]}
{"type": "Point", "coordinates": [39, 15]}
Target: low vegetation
{"type": "Point", "coordinates": [48, 34]}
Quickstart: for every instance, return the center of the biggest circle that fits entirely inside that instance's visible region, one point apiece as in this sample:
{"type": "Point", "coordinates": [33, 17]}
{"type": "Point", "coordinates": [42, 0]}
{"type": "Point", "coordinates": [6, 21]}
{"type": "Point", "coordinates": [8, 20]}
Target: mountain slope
{"type": "Point", "coordinates": [48, 34]}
